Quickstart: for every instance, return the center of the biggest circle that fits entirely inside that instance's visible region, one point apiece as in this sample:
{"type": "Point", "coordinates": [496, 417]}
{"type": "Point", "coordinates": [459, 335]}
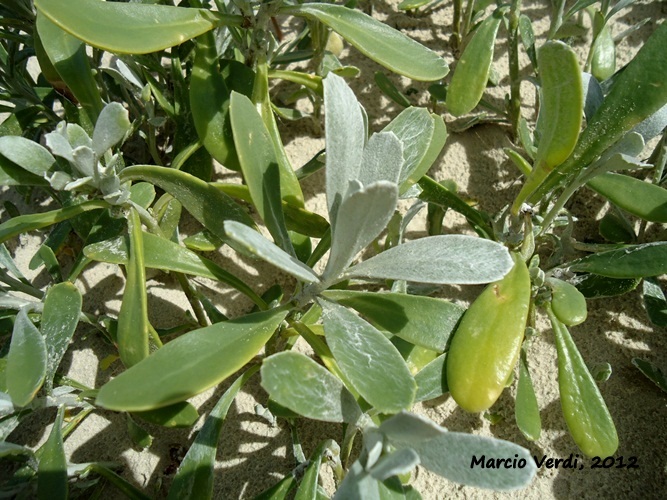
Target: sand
{"type": "Point", "coordinates": [254, 453]}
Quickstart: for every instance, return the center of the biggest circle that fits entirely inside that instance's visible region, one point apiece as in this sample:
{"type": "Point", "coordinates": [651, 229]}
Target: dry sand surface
{"type": "Point", "coordinates": [254, 453]}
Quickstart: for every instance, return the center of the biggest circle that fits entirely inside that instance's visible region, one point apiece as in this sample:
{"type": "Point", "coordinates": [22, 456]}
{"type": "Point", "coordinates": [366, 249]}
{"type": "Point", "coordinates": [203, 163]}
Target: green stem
{"type": "Point", "coordinates": [515, 80]}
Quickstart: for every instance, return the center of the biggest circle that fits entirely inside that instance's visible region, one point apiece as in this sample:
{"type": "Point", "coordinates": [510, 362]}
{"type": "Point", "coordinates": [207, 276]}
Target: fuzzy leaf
{"type": "Point", "coordinates": [382, 159]}
{"type": "Point", "coordinates": [26, 154]}
{"type": "Point", "coordinates": [112, 125]}
{"type": "Point", "coordinates": [398, 462]}
{"type": "Point", "coordinates": [432, 380]}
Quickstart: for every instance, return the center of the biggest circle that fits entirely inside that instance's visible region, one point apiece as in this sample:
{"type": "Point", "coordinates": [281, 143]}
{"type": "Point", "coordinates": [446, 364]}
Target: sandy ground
{"type": "Point", "coordinates": [254, 453]}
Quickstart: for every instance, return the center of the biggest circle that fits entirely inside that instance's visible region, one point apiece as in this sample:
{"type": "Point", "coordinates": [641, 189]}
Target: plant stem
{"type": "Point", "coordinates": [515, 80]}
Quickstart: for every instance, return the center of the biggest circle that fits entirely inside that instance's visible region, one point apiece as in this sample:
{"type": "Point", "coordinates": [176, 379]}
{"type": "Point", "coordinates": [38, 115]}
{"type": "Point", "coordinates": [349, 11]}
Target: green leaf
{"type": "Point", "coordinates": [209, 102]}
{"type": "Point", "coordinates": [585, 412]}
{"type": "Point", "coordinates": [279, 491]}
{"type": "Point", "coordinates": [472, 71]}
{"type": "Point", "coordinates": [643, 199]}
{"type": "Point", "coordinates": [110, 128]}
{"type": "Point", "coordinates": [561, 111]}
{"type": "Point", "coordinates": [177, 415]}
{"type": "Point", "coordinates": [168, 256]}
{"type": "Point", "coordinates": [368, 359]}
{"type": "Point", "coordinates": [27, 154]}
{"type": "Point", "coordinates": [526, 409]}
{"type": "Point", "coordinates": [432, 380]}
{"type": "Point", "coordinates": [25, 223]}
{"type": "Point", "coordinates": [60, 317]}
{"type": "Point", "coordinates": [307, 388]}
{"type": "Point", "coordinates": [69, 59]}
{"type": "Point", "coordinates": [568, 303]}
{"type": "Point", "coordinates": [453, 259]}
{"type": "Point", "coordinates": [637, 93]}
{"type": "Point", "coordinates": [254, 244]}
{"type": "Point", "coordinates": [190, 364]}
{"type": "Point", "coordinates": [346, 137]}
{"type": "Point", "coordinates": [594, 286]}
{"type": "Point", "coordinates": [133, 28]}
{"type": "Point", "coordinates": [376, 40]}
{"type": "Point", "coordinates": [655, 302]}
{"type": "Point", "coordinates": [26, 360]}
{"type": "Point", "coordinates": [139, 436]}
{"type": "Point", "coordinates": [396, 463]}
{"type": "Point", "coordinates": [133, 325]}
{"type": "Point", "coordinates": [195, 475]}
{"type": "Point", "coordinates": [308, 486]}
{"type": "Point", "coordinates": [390, 90]}
{"type": "Point", "coordinates": [13, 175]}
{"type": "Point", "coordinates": [653, 373]}
{"type": "Point", "coordinates": [260, 166]}
{"type": "Point", "coordinates": [633, 261]}
{"type": "Point", "coordinates": [210, 206]}
{"type": "Point", "coordinates": [143, 194]}
{"type": "Point", "coordinates": [366, 212]}
{"type": "Point", "coordinates": [52, 471]}
{"type": "Point", "coordinates": [423, 321]}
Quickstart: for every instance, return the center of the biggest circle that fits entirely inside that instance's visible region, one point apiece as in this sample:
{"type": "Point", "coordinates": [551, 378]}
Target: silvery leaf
{"type": "Point", "coordinates": [653, 125]}
{"type": "Point", "coordinates": [373, 444]}
{"type": "Point", "coordinates": [59, 145]}
{"type": "Point", "coordinates": [78, 137]}
{"type": "Point", "coordinates": [405, 428]}
{"type": "Point", "coordinates": [593, 95]}
{"type": "Point", "coordinates": [112, 125]}
{"type": "Point", "coordinates": [398, 462]}
{"type": "Point", "coordinates": [26, 154]}
{"type": "Point", "coordinates": [382, 159]}
{"type": "Point", "coordinates": [84, 161]}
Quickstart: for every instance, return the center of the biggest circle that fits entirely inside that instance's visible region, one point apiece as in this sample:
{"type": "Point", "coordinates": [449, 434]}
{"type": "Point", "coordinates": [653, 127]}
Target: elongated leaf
{"type": "Point", "coordinates": [365, 213]}
{"type": "Point", "coordinates": [376, 40]}
{"type": "Point", "coordinates": [52, 471]}
{"type": "Point", "coordinates": [260, 166]}
{"type": "Point", "coordinates": [367, 357]}
{"type": "Point", "coordinates": [190, 364]}
{"type": "Point", "coordinates": [60, 317]}
{"type": "Point", "coordinates": [382, 159]}
{"type": "Point", "coordinates": [526, 410]}
{"type": "Point", "coordinates": [423, 321]}
{"type": "Point", "coordinates": [27, 154]}
{"type": "Point", "coordinates": [346, 136]}
{"type": "Point", "coordinates": [635, 261]}
{"type": "Point", "coordinates": [69, 58]}
{"type": "Point", "coordinates": [585, 412]}
{"type": "Point", "coordinates": [308, 487]}
{"type": "Point", "coordinates": [13, 175]}
{"type": "Point", "coordinates": [655, 302]}
{"type": "Point", "coordinates": [26, 360]}
{"type": "Point", "coordinates": [279, 491]}
{"type": "Point", "coordinates": [210, 206]}
{"type": "Point", "coordinates": [209, 102]}
{"type": "Point", "coordinates": [133, 325]}
{"type": "Point", "coordinates": [651, 372]}
{"type": "Point", "coordinates": [472, 72]}
{"type": "Point", "coordinates": [177, 415]}
{"type": "Point", "coordinates": [195, 475]}
{"type": "Point", "coordinates": [390, 90]}
{"type": "Point", "coordinates": [254, 244]}
{"type": "Point", "coordinates": [432, 380]}
{"type": "Point", "coordinates": [25, 223]}
{"type": "Point", "coordinates": [111, 127]}
{"type": "Point", "coordinates": [454, 259]}
{"type": "Point", "coordinates": [561, 111]}
{"type": "Point", "coordinates": [133, 28]}
{"type": "Point", "coordinates": [637, 93]}
{"type": "Point", "coordinates": [643, 199]}
{"type": "Point", "coordinates": [307, 388]}
{"type": "Point", "coordinates": [458, 457]}
{"type": "Point", "coordinates": [168, 256]}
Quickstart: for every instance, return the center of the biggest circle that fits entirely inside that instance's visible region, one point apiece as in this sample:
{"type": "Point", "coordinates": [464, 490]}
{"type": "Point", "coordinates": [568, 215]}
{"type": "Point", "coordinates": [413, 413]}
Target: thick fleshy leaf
{"type": "Point", "coordinates": [133, 325]}
{"type": "Point", "coordinates": [364, 214]}
{"type": "Point", "coordinates": [635, 261]}
{"type": "Point", "coordinates": [26, 360]}
{"type": "Point", "coordinates": [453, 259]}
{"type": "Point", "coordinates": [432, 380]}
{"type": "Point", "coordinates": [472, 72]}
{"type": "Point", "coordinates": [526, 409]}
{"type": "Point", "coordinates": [260, 166]}
{"type": "Point", "coordinates": [643, 199]}
{"type": "Point", "coordinates": [177, 415]}
{"type": "Point", "coordinates": [307, 388]}
{"type": "Point", "coordinates": [637, 93]}
{"type": "Point", "coordinates": [195, 475]}
{"type": "Point", "coordinates": [25, 223]}
{"type": "Point", "coordinates": [112, 125]}
{"type": "Point", "coordinates": [346, 136]}
{"type": "Point", "coordinates": [376, 40]}
{"type": "Point", "coordinates": [651, 372]}
{"type": "Point", "coordinates": [210, 206]}
{"type": "Point", "coordinates": [463, 458]}
{"type": "Point", "coordinates": [584, 409]}
{"type": "Point", "coordinates": [69, 59]}
{"type": "Point", "coordinates": [382, 159]}
{"type": "Point", "coordinates": [52, 470]}
{"type": "Point", "coordinates": [254, 244]}
{"type": "Point", "coordinates": [368, 359]}
{"type": "Point", "coordinates": [12, 175]}
{"type": "Point", "coordinates": [27, 154]}
{"type": "Point", "coordinates": [655, 302]}
{"type": "Point", "coordinates": [405, 428]}
{"type": "Point", "coordinates": [190, 364]}
{"type": "Point", "coordinates": [398, 462]}
{"type": "Point", "coordinates": [209, 102]}
{"type": "Point", "coordinates": [168, 256]}
{"type": "Point", "coordinates": [423, 321]}
{"type": "Point", "coordinates": [60, 317]}
{"type": "Point", "coordinates": [133, 28]}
